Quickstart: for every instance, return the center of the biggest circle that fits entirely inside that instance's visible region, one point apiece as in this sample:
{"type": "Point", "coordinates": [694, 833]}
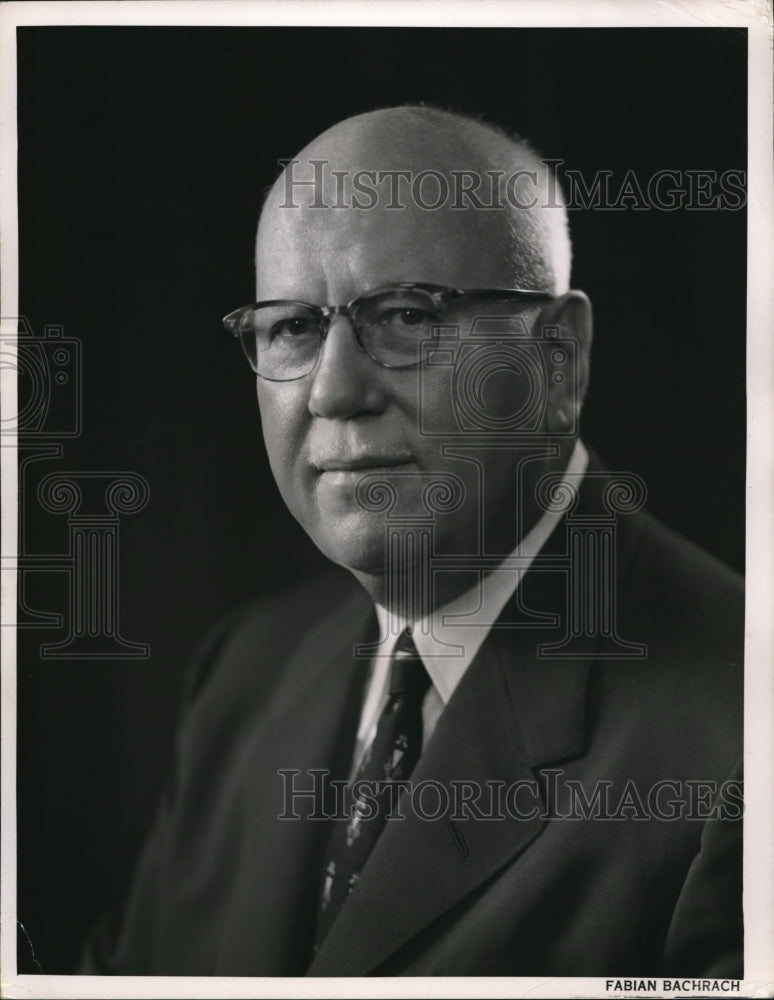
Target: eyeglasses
{"type": "Point", "coordinates": [282, 338]}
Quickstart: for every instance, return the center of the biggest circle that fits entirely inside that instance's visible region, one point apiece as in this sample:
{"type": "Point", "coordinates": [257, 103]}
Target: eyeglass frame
{"type": "Point", "coordinates": [441, 295]}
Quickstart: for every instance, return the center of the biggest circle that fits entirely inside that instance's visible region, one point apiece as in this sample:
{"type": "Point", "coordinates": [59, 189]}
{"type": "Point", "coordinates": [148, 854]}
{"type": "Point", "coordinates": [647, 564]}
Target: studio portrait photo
{"type": "Point", "coordinates": [386, 562]}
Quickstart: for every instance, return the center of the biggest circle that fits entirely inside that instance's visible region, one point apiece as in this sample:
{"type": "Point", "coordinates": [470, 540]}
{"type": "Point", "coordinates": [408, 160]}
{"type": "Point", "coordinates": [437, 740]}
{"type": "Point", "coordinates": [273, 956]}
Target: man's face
{"type": "Point", "coordinates": [350, 417]}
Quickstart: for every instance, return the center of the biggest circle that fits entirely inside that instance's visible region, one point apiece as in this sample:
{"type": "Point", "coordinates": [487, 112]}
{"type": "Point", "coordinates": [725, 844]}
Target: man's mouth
{"type": "Point", "coordinates": [363, 463]}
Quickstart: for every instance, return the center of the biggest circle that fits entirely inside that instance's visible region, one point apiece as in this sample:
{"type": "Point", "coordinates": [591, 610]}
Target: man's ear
{"type": "Point", "coordinates": [566, 329]}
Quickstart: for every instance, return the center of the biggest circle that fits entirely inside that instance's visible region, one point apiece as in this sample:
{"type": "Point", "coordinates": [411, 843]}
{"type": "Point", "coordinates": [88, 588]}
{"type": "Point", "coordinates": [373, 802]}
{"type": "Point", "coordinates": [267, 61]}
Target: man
{"type": "Point", "coordinates": [510, 747]}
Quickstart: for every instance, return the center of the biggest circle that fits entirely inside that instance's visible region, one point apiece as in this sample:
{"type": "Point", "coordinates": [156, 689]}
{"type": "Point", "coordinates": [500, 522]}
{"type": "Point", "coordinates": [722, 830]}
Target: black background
{"type": "Point", "coordinates": [143, 154]}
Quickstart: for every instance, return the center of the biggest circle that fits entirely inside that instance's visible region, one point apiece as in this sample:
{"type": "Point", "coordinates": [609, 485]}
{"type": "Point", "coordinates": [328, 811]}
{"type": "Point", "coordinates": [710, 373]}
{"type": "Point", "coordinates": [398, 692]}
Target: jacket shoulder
{"type": "Point", "coordinates": [684, 580]}
{"type": "Point", "coordinates": [258, 635]}
{"type": "Point", "coordinates": [686, 610]}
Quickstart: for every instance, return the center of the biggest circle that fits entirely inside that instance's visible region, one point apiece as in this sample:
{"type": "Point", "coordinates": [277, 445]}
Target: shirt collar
{"type": "Point", "coordinates": [448, 639]}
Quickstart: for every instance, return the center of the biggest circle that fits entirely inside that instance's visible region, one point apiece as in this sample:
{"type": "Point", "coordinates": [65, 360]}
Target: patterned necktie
{"type": "Point", "coordinates": [391, 757]}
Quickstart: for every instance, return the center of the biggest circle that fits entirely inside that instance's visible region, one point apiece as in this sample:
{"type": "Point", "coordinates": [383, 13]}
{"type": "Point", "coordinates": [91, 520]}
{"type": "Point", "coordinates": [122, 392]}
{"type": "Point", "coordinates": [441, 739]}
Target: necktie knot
{"type": "Point", "coordinates": [407, 671]}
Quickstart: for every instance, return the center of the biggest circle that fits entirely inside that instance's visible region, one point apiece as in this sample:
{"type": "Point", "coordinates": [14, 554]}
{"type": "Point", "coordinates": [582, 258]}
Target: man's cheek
{"type": "Point", "coordinates": [283, 440]}
{"type": "Point", "coordinates": [286, 472]}
{"type": "Point", "coordinates": [436, 411]}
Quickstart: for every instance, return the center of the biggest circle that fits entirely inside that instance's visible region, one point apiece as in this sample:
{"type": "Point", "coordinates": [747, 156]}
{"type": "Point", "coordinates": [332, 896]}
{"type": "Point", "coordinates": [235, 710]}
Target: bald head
{"type": "Point", "coordinates": [412, 196]}
{"type": "Point", "coordinates": [446, 178]}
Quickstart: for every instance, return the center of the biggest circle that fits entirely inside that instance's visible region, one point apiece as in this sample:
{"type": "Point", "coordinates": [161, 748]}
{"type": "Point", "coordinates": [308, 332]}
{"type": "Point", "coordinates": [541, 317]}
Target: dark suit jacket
{"type": "Point", "coordinates": [224, 887]}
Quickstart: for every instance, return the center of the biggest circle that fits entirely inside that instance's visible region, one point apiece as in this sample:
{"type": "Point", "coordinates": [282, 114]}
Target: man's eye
{"type": "Point", "coordinates": [294, 327]}
{"type": "Point", "coordinates": [406, 317]}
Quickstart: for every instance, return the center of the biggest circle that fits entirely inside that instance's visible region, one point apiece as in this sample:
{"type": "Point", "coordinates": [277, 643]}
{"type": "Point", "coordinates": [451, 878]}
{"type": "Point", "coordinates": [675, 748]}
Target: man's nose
{"type": "Point", "coordinates": [347, 381]}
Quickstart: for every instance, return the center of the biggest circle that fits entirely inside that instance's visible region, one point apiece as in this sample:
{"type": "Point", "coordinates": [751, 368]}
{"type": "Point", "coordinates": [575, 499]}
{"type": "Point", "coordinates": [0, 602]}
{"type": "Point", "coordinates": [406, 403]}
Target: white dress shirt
{"type": "Point", "coordinates": [448, 639]}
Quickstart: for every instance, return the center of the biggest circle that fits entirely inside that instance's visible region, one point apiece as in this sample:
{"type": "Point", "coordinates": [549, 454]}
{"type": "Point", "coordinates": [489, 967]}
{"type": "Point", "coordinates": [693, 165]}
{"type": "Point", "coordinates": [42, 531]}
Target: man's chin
{"type": "Point", "coordinates": [359, 551]}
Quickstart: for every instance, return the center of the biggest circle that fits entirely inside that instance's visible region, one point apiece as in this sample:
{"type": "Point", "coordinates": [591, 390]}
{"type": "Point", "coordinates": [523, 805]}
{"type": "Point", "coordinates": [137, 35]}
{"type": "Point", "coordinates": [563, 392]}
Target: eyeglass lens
{"type": "Point", "coordinates": [282, 341]}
